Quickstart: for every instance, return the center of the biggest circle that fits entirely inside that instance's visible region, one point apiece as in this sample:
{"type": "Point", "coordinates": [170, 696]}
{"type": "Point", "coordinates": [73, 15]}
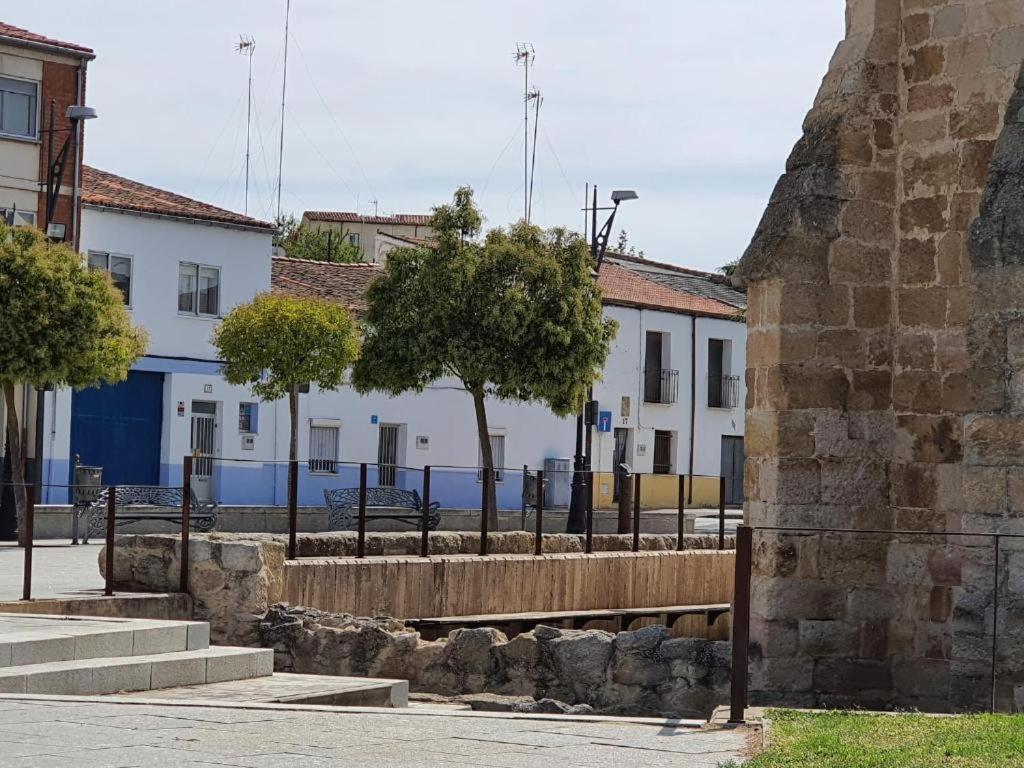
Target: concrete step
{"type": "Point", "coordinates": [287, 688]}
{"type": "Point", "coordinates": [42, 639]}
{"type": "Point", "coordinates": [104, 675]}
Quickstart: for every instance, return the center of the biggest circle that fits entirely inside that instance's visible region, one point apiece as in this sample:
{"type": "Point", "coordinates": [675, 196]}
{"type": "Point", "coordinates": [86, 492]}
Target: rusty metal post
{"type": "Point", "coordinates": [30, 524]}
{"type": "Point", "coordinates": [486, 480]}
{"type": "Point", "coordinates": [636, 512]}
{"type": "Point", "coordinates": [424, 542]}
{"type": "Point", "coordinates": [108, 586]}
{"type": "Point", "coordinates": [361, 522]}
{"type": "Point", "coordinates": [741, 624]}
{"type": "Point", "coordinates": [186, 522]}
{"type": "Point", "coordinates": [721, 513]}
{"type": "Point", "coordinates": [681, 523]}
{"type": "Point", "coordinates": [293, 510]}
{"type": "Point", "coordinates": [538, 537]}
{"type": "Point", "coordinates": [589, 545]}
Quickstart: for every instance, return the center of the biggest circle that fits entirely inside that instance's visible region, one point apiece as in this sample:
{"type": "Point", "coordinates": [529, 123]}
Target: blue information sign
{"type": "Point", "coordinates": [604, 421]}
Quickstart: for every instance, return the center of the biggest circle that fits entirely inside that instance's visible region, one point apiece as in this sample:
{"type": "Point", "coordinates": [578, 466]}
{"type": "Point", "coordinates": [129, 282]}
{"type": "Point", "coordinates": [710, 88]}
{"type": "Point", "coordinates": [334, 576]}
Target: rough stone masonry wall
{"type": "Point", "coordinates": [886, 367]}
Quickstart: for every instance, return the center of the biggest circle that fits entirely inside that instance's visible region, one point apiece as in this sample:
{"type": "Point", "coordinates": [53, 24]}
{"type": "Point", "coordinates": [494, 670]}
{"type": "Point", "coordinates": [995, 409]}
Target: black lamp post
{"type": "Point", "coordinates": [577, 522]}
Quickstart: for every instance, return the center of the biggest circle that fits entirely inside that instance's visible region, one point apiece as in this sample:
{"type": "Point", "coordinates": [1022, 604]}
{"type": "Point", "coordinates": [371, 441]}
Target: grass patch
{"type": "Point", "coordinates": [851, 740]}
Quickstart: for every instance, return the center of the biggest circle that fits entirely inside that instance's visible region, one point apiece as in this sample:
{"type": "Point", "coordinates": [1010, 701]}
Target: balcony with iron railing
{"type": "Point", "coordinates": [723, 391]}
{"type": "Point", "coordinates": [661, 386]}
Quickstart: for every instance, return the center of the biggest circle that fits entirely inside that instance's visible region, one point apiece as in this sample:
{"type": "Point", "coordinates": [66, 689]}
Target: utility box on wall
{"type": "Point", "coordinates": [558, 482]}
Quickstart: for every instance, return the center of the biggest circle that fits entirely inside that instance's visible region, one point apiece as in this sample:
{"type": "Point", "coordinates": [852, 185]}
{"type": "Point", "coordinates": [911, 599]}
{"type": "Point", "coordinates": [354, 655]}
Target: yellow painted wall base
{"type": "Point", "coordinates": [659, 491]}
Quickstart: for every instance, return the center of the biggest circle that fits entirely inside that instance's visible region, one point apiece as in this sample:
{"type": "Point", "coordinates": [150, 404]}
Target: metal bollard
{"type": "Point", "coordinates": [721, 513]}
{"type": "Point", "coordinates": [30, 524]}
{"type": "Point", "coordinates": [538, 536]}
{"type": "Point", "coordinates": [741, 624]}
{"type": "Point", "coordinates": [108, 587]}
{"type": "Point", "coordinates": [424, 542]}
{"type": "Point", "coordinates": [636, 513]}
{"type": "Point", "coordinates": [186, 515]}
{"type": "Point", "coordinates": [484, 504]}
{"type": "Point", "coordinates": [681, 522]}
{"type": "Point", "coordinates": [589, 542]}
{"type": "Point", "coordinates": [293, 510]}
{"type": "Point", "coordinates": [625, 494]}
{"type": "Point", "coordinates": [361, 523]}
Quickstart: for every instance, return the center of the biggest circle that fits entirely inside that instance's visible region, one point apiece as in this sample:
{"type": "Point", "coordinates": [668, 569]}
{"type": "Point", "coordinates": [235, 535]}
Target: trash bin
{"type": "Point", "coordinates": [86, 490]}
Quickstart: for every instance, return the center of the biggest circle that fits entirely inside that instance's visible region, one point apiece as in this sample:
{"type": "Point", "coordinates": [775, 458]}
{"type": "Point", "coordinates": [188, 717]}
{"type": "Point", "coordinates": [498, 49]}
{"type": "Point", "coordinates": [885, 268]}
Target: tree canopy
{"type": "Point", "coordinates": [300, 241]}
{"type": "Point", "coordinates": [515, 316]}
{"type": "Point", "coordinates": [61, 324]}
{"type": "Point", "coordinates": [276, 344]}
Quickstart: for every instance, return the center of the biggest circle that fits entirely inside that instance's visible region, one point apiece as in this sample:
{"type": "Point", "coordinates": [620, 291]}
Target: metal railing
{"type": "Point", "coordinates": [723, 391]}
{"type": "Point", "coordinates": [661, 386]}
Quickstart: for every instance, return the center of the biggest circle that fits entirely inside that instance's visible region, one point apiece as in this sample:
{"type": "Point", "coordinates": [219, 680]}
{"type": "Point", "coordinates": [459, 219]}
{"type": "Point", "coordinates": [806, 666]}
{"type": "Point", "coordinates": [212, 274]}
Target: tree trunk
{"type": "Point", "coordinates": [484, 436]}
{"type": "Point", "coordinates": [293, 412]}
{"type": "Point", "coordinates": [17, 460]}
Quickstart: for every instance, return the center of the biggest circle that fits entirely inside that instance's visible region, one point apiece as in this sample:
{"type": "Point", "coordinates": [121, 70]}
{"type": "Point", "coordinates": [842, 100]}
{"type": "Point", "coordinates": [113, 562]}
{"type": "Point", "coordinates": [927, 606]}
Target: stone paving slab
{"type": "Point", "coordinates": [48, 731]}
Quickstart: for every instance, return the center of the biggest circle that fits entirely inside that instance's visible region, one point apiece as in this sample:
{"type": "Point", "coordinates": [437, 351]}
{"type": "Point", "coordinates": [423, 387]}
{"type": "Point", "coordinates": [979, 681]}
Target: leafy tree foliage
{"type": "Point", "coordinates": [276, 344]}
{"type": "Point", "coordinates": [61, 324]}
{"type": "Point", "coordinates": [300, 241]}
{"type": "Point", "coordinates": [624, 247]}
{"type": "Point", "coordinates": [516, 316]}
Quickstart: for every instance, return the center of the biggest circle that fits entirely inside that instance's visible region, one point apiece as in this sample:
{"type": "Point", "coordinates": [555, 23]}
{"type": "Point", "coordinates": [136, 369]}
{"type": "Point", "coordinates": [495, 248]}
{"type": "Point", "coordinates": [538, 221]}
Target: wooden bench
{"type": "Point", "coordinates": [516, 623]}
{"type": "Point", "coordinates": [137, 503]}
{"type": "Point", "coordinates": [381, 504]}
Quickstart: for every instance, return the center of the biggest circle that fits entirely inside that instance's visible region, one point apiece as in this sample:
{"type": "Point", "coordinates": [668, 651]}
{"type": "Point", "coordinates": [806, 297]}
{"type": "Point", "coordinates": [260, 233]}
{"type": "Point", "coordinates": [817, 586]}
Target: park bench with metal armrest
{"type": "Point", "coordinates": [138, 503]}
{"type": "Point", "coordinates": [381, 504]}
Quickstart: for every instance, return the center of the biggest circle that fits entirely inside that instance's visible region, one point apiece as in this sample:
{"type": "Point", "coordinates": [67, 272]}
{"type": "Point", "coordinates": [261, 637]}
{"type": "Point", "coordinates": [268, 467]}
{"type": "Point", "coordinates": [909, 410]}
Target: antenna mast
{"type": "Point", "coordinates": [247, 46]}
{"type": "Point", "coordinates": [284, 85]}
{"type": "Point", "coordinates": [538, 99]}
{"type": "Point", "coordinates": [525, 55]}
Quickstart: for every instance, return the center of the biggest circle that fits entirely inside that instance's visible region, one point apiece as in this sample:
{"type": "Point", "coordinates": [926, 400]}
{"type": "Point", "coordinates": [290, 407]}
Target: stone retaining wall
{"type": "Point", "coordinates": [644, 672]}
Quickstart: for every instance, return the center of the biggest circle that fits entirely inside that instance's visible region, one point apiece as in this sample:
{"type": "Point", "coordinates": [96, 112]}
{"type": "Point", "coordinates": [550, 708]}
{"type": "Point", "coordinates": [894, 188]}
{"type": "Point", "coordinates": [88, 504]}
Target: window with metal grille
{"type": "Point", "coordinates": [323, 449]}
{"type": "Point", "coordinates": [662, 452]}
{"type": "Point", "coordinates": [387, 454]}
{"type": "Point", "coordinates": [497, 455]}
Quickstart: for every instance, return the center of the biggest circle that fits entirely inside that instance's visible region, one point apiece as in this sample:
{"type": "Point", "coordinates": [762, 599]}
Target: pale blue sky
{"type": "Point", "coordinates": [693, 103]}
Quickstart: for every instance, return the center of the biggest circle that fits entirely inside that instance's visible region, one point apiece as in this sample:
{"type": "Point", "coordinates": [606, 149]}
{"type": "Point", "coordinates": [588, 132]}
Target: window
{"type": "Point", "coordinates": [353, 238]}
{"type": "Point", "coordinates": [497, 455]}
{"type": "Point", "coordinates": [18, 107]}
{"type": "Point", "coordinates": [662, 452]}
{"type": "Point", "coordinates": [722, 388]}
{"type": "Point", "coordinates": [198, 289]}
{"type": "Point", "coordinates": [323, 447]}
{"type": "Point", "coordinates": [248, 418]}
{"type": "Point", "coordinates": [12, 217]}
{"type": "Point", "coordinates": [119, 268]}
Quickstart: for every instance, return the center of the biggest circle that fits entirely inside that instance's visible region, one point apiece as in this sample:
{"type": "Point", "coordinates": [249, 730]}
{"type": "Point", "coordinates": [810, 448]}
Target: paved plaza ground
{"type": "Point", "coordinates": [82, 733]}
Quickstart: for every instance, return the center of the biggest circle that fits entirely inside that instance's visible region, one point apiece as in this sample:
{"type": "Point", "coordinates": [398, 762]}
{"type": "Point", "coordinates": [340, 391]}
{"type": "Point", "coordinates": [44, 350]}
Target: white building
{"type": "Point", "coordinates": [183, 265]}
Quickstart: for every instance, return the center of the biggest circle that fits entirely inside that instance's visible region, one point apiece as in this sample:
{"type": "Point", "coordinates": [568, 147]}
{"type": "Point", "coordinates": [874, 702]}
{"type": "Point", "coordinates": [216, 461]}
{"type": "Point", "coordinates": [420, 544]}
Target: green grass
{"type": "Point", "coordinates": [850, 740]}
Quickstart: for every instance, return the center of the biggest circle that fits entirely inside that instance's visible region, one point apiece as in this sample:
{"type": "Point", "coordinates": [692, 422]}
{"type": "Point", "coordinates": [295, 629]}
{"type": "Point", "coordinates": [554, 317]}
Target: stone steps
{"type": "Point", "coordinates": [40, 639]}
{"type": "Point", "coordinates": [104, 675]}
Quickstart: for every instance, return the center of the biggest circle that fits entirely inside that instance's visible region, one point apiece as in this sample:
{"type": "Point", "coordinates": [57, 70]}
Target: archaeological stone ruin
{"type": "Point", "coordinates": [886, 370]}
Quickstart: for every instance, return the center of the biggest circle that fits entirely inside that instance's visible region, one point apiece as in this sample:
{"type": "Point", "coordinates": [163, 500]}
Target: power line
{"type": "Point", "coordinates": [324, 157]}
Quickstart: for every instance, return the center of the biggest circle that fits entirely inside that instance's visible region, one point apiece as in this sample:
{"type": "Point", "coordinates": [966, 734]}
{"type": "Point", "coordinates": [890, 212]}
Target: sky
{"type": "Point", "coordinates": [695, 104]}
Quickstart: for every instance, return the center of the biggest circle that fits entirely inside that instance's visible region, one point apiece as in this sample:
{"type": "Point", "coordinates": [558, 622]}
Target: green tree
{"type": "Point", "coordinates": [300, 241]}
{"type": "Point", "coordinates": [516, 316]}
{"type": "Point", "coordinates": [276, 344]}
{"type": "Point", "coordinates": [624, 247]}
{"type": "Point", "coordinates": [61, 324]}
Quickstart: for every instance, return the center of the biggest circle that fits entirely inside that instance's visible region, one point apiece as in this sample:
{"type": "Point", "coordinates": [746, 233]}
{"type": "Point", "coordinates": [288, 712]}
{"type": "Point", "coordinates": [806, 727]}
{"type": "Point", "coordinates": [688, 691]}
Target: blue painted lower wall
{"type": "Point", "coordinates": [267, 484]}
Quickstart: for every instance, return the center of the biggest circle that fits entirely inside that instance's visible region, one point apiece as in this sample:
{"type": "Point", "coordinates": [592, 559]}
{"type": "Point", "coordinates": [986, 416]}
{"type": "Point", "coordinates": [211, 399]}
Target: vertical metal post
{"type": "Point", "coordinates": [721, 513]}
{"type": "Point", "coordinates": [108, 587]}
{"type": "Point", "coordinates": [589, 545]}
{"type": "Point", "coordinates": [526, 476]}
{"type": "Point", "coordinates": [681, 522]}
{"type": "Point", "coordinates": [424, 542]}
{"type": "Point", "coordinates": [995, 621]}
{"type": "Point", "coordinates": [636, 512]}
{"type": "Point", "coordinates": [186, 514]}
{"type": "Point", "coordinates": [486, 479]}
{"type": "Point", "coordinates": [293, 510]}
{"type": "Point", "coordinates": [538, 537]}
{"type": "Point", "coordinates": [741, 624]}
{"type": "Point", "coordinates": [625, 493]}
{"type": "Point", "coordinates": [361, 524]}
{"type": "Point", "coordinates": [30, 524]}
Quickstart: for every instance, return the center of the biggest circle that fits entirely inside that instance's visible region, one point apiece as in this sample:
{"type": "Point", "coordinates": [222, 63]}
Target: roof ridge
{"type": "Point", "coordinates": [328, 263]}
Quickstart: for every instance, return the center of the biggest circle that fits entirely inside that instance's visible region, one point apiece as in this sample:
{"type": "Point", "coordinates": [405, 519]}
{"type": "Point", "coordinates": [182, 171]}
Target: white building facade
{"type": "Point", "coordinates": [183, 265]}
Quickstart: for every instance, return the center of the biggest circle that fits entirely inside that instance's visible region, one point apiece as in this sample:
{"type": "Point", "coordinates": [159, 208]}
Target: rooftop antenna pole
{"type": "Point", "coordinates": [247, 46]}
{"type": "Point", "coordinates": [538, 99]}
{"type": "Point", "coordinates": [284, 85]}
{"type": "Point", "coordinates": [525, 55]}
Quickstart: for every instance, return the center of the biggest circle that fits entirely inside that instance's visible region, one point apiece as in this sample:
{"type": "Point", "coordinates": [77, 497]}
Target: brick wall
{"type": "Point", "coordinates": [60, 83]}
{"type": "Point", "coordinates": [883, 387]}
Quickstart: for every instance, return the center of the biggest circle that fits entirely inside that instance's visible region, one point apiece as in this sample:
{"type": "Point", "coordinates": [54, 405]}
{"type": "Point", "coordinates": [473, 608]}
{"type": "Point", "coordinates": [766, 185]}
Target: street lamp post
{"type": "Point", "coordinates": [576, 522]}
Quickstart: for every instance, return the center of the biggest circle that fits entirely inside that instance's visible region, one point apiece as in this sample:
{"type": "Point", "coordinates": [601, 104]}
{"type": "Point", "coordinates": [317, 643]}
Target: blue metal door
{"type": "Point", "coordinates": [118, 428]}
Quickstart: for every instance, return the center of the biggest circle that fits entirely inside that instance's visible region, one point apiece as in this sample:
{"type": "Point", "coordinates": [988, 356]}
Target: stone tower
{"type": "Point", "coordinates": [886, 369]}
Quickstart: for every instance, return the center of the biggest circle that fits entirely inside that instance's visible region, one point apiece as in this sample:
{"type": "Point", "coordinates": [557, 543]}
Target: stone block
{"type": "Point", "coordinates": [782, 675]}
{"type": "Point", "coordinates": [103, 644]}
{"type": "Point", "coordinates": [993, 440]}
{"type": "Point", "coordinates": [828, 638]}
{"type": "Point", "coordinates": [853, 481]}
{"type": "Point", "coordinates": [924, 307]}
{"type": "Point", "coordinates": [873, 640]}
{"type": "Point", "coordinates": [241, 556]}
{"type": "Point", "coordinates": [43, 650]}
{"type": "Point", "coordinates": [163, 638]}
{"type": "Point", "coordinates": [197, 636]}
{"type": "Point", "coordinates": [917, 261]}
{"type": "Point", "coordinates": [851, 676]}
{"type": "Point", "coordinates": [786, 599]}
{"type": "Point", "coordinates": [872, 307]}
{"type": "Point", "coordinates": [871, 604]}
{"type": "Point", "coordinates": [129, 676]}
{"type": "Point", "coordinates": [233, 663]}
{"type": "Point", "coordinates": [170, 673]}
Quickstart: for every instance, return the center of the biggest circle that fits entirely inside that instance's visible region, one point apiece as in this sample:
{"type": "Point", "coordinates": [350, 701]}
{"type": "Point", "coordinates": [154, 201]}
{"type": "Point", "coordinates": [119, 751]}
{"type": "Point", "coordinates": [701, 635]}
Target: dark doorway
{"type": "Point", "coordinates": [652, 367]}
{"type": "Point", "coordinates": [732, 469]}
{"type": "Point", "coordinates": [619, 452]}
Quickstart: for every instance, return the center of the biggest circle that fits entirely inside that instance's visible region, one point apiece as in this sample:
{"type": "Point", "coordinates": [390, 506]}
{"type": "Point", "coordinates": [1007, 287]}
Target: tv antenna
{"type": "Point", "coordinates": [246, 46]}
{"type": "Point", "coordinates": [525, 55]}
{"type": "Point", "coordinates": [284, 87]}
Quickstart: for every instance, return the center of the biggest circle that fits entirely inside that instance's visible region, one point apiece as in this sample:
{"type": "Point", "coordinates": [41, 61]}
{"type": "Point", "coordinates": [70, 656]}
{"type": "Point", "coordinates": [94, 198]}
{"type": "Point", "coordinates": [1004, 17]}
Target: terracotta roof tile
{"type": "Point", "coordinates": [31, 38]}
{"type": "Point", "coordinates": [626, 288]}
{"type": "Point", "coordinates": [344, 217]}
{"type": "Point", "coordinates": [112, 191]}
{"type": "Point", "coordinates": [345, 283]}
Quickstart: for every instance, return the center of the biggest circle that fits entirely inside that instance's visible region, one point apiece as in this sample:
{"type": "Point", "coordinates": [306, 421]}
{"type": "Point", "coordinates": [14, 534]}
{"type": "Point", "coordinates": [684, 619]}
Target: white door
{"type": "Point", "coordinates": [203, 445]}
